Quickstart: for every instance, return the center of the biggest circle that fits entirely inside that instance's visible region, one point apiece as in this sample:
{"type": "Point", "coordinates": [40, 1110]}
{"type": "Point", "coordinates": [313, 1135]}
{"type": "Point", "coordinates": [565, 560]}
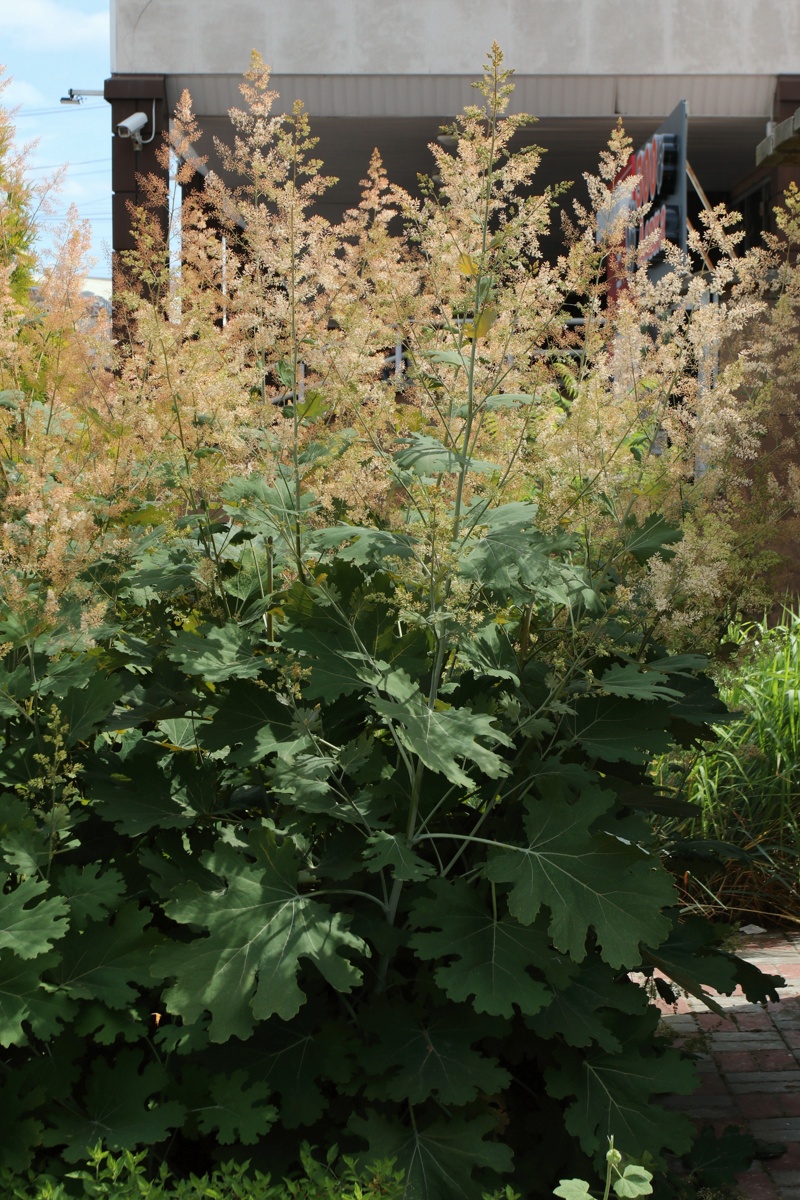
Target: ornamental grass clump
{"type": "Point", "coordinates": [741, 849]}
{"type": "Point", "coordinates": [326, 811]}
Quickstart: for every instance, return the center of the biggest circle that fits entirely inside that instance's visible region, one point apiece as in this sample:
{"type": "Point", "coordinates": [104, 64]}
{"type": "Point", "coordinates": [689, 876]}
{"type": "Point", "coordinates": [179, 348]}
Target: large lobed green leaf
{"type": "Point", "coordinates": [485, 959]}
{"type": "Point", "coordinates": [588, 878]}
{"type": "Point", "coordinates": [259, 927]}
{"type": "Point", "coordinates": [439, 1158]}
{"type": "Point", "coordinates": [29, 924]}
{"type": "Point", "coordinates": [119, 1106]}
{"type": "Point", "coordinates": [613, 1091]}
{"type": "Point", "coordinates": [446, 740]}
{"type": "Point", "coordinates": [414, 1055]}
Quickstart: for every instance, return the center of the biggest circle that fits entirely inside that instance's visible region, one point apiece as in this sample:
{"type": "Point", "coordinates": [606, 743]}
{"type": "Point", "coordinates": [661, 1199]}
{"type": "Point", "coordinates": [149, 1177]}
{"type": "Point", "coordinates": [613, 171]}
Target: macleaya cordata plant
{"type": "Point", "coordinates": [337, 823]}
{"type": "Point", "coordinates": [60, 449]}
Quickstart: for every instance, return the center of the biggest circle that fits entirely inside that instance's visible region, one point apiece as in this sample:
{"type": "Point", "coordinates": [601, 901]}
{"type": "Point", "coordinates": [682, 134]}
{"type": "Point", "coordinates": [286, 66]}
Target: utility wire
{"type": "Point", "coordinates": [83, 162]}
{"type": "Point", "coordinates": [49, 112]}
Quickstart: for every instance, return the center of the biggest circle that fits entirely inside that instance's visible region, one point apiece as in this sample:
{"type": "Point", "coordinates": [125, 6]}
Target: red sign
{"type": "Point", "coordinates": [655, 168]}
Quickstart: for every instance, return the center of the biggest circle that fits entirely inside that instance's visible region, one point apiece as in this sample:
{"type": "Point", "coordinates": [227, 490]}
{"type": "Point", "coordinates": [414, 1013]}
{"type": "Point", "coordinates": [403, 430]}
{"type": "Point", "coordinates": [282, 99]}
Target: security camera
{"type": "Point", "coordinates": [132, 128]}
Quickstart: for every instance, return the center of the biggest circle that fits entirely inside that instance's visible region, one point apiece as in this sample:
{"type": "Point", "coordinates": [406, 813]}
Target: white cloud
{"type": "Point", "coordinates": [49, 25]}
{"type": "Point", "coordinates": [18, 92]}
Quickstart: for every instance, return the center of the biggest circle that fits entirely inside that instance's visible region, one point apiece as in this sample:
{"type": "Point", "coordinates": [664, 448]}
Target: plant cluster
{"type": "Point", "coordinates": [739, 848]}
{"type": "Point", "coordinates": [330, 686]}
{"type": "Point", "coordinates": [125, 1177]}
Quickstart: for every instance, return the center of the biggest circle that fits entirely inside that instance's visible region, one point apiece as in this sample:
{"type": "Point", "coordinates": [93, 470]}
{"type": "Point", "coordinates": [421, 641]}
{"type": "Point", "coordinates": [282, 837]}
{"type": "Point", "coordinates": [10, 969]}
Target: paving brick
{"type": "Point", "coordinates": [756, 1020]}
{"type": "Point", "coordinates": [735, 1001]}
{"type": "Point", "coordinates": [782, 1129]}
{"type": "Point", "coordinates": [742, 1039]}
{"type": "Point", "coordinates": [787, 1012]}
{"type": "Point", "coordinates": [783, 1178]}
{"type": "Point", "coordinates": [754, 1060]}
{"type": "Point", "coordinates": [790, 1161]}
{"type": "Point", "coordinates": [710, 1022]}
{"type": "Point", "coordinates": [756, 1104]}
{"type": "Point", "coordinates": [713, 1108]}
{"type": "Point", "coordinates": [737, 1060]}
{"type": "Point", "coordinates": [764, 1081]}
{"type": "Point", "coordinates": [757, 1185]}
{"type": "Point", "coordinates": [680, 1022]}
{"type": "Point", "coordinates": [777, 1060]}
{"type": "Point", "coordinates": [712, 1084]}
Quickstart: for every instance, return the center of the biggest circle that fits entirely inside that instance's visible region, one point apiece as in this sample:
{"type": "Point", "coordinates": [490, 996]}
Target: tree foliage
{"type": "Point", "coordinates": [325, 807]}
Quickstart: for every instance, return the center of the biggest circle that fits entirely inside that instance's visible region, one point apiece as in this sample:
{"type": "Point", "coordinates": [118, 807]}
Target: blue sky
{"type": "Point", "coordinates": [49, 46]}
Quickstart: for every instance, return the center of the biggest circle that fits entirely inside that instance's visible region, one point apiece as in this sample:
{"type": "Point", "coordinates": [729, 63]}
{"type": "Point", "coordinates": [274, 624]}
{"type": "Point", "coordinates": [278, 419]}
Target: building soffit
{"type": "Point", "coordinates": [596, 96]}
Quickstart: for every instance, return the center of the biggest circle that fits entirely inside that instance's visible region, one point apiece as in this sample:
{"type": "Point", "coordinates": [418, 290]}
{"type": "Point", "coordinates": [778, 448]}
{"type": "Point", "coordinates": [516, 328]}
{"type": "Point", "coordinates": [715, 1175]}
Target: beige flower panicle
{"type": "Point", "coordinates": [409, 364]}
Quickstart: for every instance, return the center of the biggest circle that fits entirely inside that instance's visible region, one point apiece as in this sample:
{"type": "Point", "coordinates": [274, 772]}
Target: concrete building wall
{"type": "Point", "coordinates": [389, 75]}
{"type": "Point", "coordinates": [450, 37]}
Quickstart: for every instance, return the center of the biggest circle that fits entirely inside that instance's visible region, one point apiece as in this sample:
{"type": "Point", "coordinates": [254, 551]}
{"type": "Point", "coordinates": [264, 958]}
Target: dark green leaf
{"type": "Point", "coordinates": [490, 651]}
{"type": "Point", "coordinates": [579, 1012]}
{"type": "Point", "coordinates": [29, 924]}
{"type": "Point", "coordinates": [446, 740]}
{"type": "Point", "coordinates": [235, 1111]}
{"type": "Point", "coordinates": [250, 720]}
{"type": "Point", "coordinates": [217, 653]}
{"type": "Point", "coordinates": [588, 880]}
{"type": "Point", "coordinates": [299, 1056]}
{"type": "Point", "coordinates": [337, 667]}
{"type": "Point", "coordinates": [15, 688]}
{"type": "Point", "coordinates": [414, 1056]}
{"type": "Point", "coordinates": [438, 1159]}
{"type": "Point", "coordinates": [106, 961]}
{"type": "Point", "coordinates": [139, 796]}
{"type": "Point", "coordinates": [631, 679]}
{"type": "Point", "coordinates": [614, 1091]}
{"type": "Point", "coordinates": [91, 891]}
{"type": "Point", "coordinates": [393, 851]}
{"type": "Point", "coordinates": [67, 672]}
{"type": "Point", "coordinates": [717, 1159]}
{"type": "Point", "coordinates": [484, 959]}
{"type": "Point", "coordinates": [653, 536]}
{"type": "Point", "coordinates": [428, 457]}
{"type": "Point", "coordinates": [102, 1025]}
{"type": "Point", "coordinates": [86, 708]}
{"type": "Point", "coordinates": [615, 729]}
{"type": "Point", "coordinates": [259, 928]}
{"type": "Point", "coordinates": [364, 546]}
{"type": "Point", "coordinates": [118, 1108]}
{"type": "Point", "coordinates": [692, 956]}
{"type": "Point", "coordinates": [25, 1001]}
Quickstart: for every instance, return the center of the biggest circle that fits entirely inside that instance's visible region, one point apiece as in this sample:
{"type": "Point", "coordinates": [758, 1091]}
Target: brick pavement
{"type": "Point", "coordinates": [749, 1064]}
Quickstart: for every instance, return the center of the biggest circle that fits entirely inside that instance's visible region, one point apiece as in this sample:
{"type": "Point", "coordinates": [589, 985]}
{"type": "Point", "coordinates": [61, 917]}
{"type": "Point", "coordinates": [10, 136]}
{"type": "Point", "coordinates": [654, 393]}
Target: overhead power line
{"type": "Point", "coordinates": [49, 112]}
{"type": "Point", "coordinates": [82, 162]}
